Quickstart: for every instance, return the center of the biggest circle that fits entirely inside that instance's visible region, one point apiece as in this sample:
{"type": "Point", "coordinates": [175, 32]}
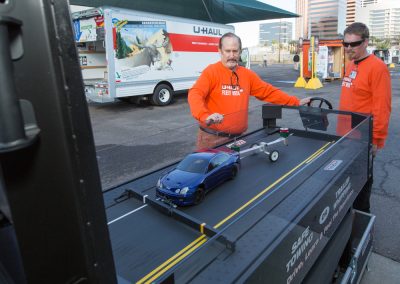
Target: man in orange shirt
{"type": "Point", "coordinates": [366, 88]}
{"type": "Point", "coordinates": [219, 99]}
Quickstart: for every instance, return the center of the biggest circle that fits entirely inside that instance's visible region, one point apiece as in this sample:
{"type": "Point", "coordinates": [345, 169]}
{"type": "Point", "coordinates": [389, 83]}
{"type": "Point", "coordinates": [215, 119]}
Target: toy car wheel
{"type": "Point", "coordinates": [199, 195]}
{"type": "Point", "coordinates": [234, 172]}
{"type": "Point", "coordinates": [274, 156]}
{"type": "Point", "coordinates": [162, 95]}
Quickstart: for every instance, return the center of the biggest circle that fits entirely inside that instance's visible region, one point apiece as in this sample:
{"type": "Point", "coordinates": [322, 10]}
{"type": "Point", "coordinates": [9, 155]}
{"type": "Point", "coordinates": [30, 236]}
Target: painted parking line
{"type": "Point", "coordinates": [287, 82]}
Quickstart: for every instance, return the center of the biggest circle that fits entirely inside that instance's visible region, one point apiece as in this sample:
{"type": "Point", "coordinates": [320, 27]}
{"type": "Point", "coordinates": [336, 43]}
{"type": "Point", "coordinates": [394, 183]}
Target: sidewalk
{"type": "Point", "coordinates": [381, 270]}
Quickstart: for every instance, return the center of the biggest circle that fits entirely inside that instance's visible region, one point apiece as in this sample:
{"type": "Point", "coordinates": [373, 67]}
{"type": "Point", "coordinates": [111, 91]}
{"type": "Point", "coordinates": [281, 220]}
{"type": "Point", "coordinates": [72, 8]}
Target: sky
{"type": "Point", "coordinates": [249, 31]}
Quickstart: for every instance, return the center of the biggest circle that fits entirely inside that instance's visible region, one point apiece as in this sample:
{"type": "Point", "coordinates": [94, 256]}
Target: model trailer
{"type": "Point", "coordinates": [262, 147]}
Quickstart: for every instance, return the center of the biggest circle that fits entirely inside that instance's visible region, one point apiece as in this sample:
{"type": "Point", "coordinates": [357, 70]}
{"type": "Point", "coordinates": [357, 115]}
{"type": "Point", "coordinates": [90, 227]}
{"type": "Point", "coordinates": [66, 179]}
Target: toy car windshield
{"type": "Point", "coordinates": [193, 164]}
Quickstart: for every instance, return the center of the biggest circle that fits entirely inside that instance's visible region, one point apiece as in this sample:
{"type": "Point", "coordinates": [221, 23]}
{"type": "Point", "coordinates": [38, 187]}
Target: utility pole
{"type": "Point", "coordinates": [279, 41]}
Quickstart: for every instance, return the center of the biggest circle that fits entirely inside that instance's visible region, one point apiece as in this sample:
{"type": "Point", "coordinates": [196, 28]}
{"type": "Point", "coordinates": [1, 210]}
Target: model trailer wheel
{"type": "Point", "coordinates": [162, 95]}
{"type": "Point", "coordinates": [274, 156]}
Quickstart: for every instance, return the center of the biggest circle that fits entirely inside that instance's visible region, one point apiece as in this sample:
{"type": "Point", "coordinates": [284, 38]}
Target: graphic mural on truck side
{"type": "Point", "coordinates": [140, 47]}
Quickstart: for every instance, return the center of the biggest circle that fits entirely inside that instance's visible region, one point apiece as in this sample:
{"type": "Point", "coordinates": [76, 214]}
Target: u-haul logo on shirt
{"type": "Point", "coordinates": [229, 90]}
{"type": "Point", "coordinates": [347, 82]}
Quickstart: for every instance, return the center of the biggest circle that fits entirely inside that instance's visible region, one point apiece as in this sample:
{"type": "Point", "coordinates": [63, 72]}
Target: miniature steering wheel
{"type": "Point", "coordinates": [322, 101]}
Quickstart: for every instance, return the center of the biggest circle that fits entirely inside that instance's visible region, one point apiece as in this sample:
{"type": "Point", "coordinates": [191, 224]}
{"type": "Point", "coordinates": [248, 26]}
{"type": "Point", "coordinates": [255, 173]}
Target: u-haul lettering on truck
{"type": "Point", "coordinates": [206, 31]}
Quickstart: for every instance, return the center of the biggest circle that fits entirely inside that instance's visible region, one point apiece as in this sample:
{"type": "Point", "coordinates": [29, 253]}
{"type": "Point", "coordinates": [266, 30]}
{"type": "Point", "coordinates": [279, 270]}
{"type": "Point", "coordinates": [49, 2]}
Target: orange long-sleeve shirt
{"type": "Point", "coordinates": [219, 90]}
{"type": "Point", "coordinates": [366, 88]}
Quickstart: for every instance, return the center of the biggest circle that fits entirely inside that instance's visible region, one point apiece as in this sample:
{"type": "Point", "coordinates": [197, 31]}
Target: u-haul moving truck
{"type": "Point", "coordinates": [132, 55]}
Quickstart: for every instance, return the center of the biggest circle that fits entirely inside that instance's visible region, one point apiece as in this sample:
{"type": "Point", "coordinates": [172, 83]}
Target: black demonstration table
{"type": "Point", "coordinates": [260, 215]}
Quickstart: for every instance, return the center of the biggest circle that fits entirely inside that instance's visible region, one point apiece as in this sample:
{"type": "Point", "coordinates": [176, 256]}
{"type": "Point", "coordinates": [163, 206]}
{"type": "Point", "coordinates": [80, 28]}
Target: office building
{"type": "Point", "coordinates": [365, 3]}
{"type": "Point", "coordinates": [281, 32]}
{"type": "Point", "coordinates": [326, 18]}
{"type": "Point", "coordinates": [351, 10]}
{"type": "Point", "coordinates": [382, 18]}
{"type": "Point", "coordinates": [302, 21]}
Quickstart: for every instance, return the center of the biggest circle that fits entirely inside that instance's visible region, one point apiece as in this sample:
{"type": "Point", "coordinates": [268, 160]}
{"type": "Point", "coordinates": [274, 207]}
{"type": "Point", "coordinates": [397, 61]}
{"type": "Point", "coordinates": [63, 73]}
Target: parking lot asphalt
{"type": "Point", "coordinates": [132, 140]}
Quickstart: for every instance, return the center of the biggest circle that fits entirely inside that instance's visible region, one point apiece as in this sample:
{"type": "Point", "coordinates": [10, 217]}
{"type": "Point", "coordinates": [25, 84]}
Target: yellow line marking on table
{"type": "Point", "coordinates": [161, 269]}
{"type": "Point", "coordinates": [241, 208]}
{"type": "Point", "coordinates": [165, 266]}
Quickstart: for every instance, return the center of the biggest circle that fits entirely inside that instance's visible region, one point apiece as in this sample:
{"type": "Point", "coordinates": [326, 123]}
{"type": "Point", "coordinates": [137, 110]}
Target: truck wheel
{"type": "Point", "coordinates": [162, 95]}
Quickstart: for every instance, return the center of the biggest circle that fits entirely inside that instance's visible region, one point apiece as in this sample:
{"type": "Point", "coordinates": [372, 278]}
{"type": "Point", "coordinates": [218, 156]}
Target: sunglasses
{"type": "Point", "coordinates": [352, 44]}
{"type": "Point", "coordinates": [233, 77]}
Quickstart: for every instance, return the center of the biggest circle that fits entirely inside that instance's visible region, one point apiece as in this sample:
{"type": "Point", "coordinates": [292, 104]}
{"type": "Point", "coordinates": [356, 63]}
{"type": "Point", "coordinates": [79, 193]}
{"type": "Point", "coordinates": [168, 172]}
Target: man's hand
{"type": "Point", "coordinates": [304, 101]}
{"type": "Point", "coordinates": [214, 118]}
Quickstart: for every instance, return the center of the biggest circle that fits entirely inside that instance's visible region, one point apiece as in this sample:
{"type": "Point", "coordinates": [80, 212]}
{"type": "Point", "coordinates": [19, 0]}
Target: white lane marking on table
{"type": "Point", "coordinates": [133, 211]}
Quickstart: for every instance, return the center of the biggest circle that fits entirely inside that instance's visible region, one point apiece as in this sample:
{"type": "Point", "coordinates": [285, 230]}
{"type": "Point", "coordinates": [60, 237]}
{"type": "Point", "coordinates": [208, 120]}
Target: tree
{"type": "Point", "coordinates": [293, 45]}
{"type": "Point", "coordinates": [396, 40]}
{"type": "Point", "coordinates": [373, 40]}
{"type": "Point", "coordinates": [122, 48]}
{"type": "Point", "coordinates": [383, 44]}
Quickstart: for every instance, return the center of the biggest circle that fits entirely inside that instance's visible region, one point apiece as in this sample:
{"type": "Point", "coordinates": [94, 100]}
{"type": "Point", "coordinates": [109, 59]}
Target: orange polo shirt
{"type": "Point", "coordinates": [219, 90]}
{"type": "Point", "coordinates": [366, 88]}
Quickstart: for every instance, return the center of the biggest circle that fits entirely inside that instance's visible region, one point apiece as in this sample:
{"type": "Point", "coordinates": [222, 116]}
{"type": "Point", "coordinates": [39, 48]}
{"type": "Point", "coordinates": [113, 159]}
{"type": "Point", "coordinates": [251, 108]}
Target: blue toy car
{"type": "Point", "coordinates": [196, 174]}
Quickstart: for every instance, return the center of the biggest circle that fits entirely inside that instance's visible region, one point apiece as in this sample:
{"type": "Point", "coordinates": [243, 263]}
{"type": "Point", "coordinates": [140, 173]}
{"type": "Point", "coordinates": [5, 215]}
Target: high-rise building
{"type": "Point", "coordinates": [351, 10]}
{"type": "Point", "coordinates": [326, 18]}
{"type": "Point", "coordinates": [302, 21]}
{"type": "Point", "coordinates": [382, 18]}
{"type": "Point", "coordinates": [280, 31]}
{"type": "Point", "coordinates": [365, 3]}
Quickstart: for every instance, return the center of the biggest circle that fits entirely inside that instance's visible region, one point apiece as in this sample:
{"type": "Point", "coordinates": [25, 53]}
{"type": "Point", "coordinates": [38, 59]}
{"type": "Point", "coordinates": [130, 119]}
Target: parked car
{"type": "Point", "coordinates": [196, 174]}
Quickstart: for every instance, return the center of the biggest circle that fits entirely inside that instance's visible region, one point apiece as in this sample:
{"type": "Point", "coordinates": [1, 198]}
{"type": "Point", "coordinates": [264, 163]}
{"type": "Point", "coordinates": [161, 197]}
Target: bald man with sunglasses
{"type": "Point", "coordinates": [366, 88]}
{"type": "Point", "coordinates": [219, 99]}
